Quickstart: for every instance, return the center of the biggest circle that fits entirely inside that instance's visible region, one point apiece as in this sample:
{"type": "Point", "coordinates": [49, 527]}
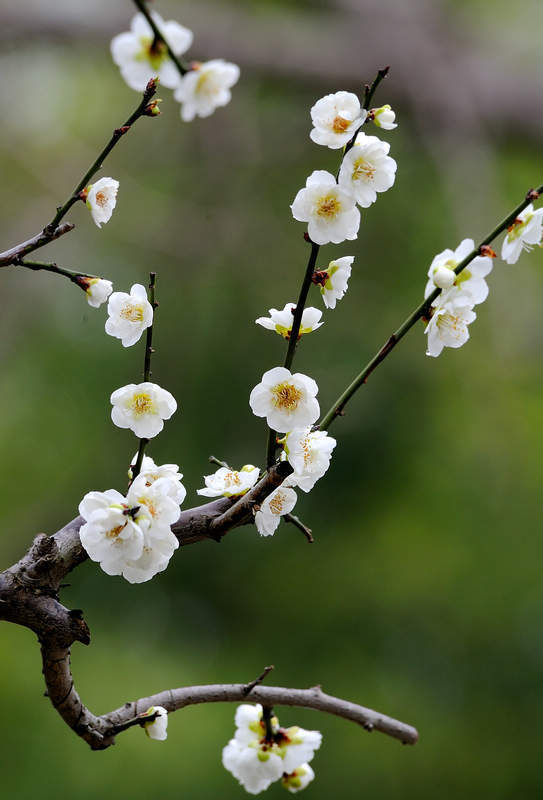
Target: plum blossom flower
{"type": "Point", "coordinates": [227, 482]}
{"type": "Point", "coordinates": [141, 58]}
{"type": "Point", "coordinates": [329, 210]}
{"type": "Point", "coordinates": [448, 326]}
{"type": "Point", "coordinates": [336, 118]}
{"type": "Point", "coordinates": [101, 199]}
{"type": "Point", "coordinates": [157, 728]}
{"type": "Point", "coordinates": [287, 401]}
{"type": "Point", "coordinates": [333, 281]}
{"type": "Point", "coordinates": [384, 117]}
{"type": "Point", "coordinates": [206, 87]}
{"type": "Point", "coordinates": [112, 533]}
{"type": "Point", "coordinates": [257, 757]}
{"type": "Point", "coordinates": [470, 283]}
{"type": "Point", "coordinates": [96, 289]}
{"type": "Point", "coordinates": [309, 454]}
{"type": "Point", "coordinates": [367, 169]}
{"type": "Point", "coordinates": [281, 321]}
{"type": "Point", "coordinates": [280, 502]}
{"type": "Point", "coordinates": [154, 472]}
{"type": "Point", "coordinates": [142, 407]}
{"type": "Point", "coordinates": [129, 315]}
{"type": "Point", "coordinates": [523, 234]}
{"type": "Point", "coordinates": [299, 779]}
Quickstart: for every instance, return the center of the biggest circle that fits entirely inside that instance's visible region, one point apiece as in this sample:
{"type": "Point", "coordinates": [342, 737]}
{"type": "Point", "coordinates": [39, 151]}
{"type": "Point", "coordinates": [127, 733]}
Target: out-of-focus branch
{"type": "Point", "coordinates": [420, 312]}
{"type": "Point", "coordinates": [146, 369]}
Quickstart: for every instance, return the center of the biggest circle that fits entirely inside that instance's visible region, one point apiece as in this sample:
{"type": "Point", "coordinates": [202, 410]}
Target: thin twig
{"type": "Point", "coordinates": [420, 312]}
{"type": "Point", "coordinates": [159, 37]}
{"type": "Point", "coordinates": [307, 532]}
{"type": "Point", "coordinates": [52, 267]}
{"type": "Point", "coordinates": [218, 462]}
{"type": "Point", "coordinates": [146, 369]}
{"type": "Point", "coordinates": [261, 677]}
{"type": "Point", "coordinates": [141, 111]}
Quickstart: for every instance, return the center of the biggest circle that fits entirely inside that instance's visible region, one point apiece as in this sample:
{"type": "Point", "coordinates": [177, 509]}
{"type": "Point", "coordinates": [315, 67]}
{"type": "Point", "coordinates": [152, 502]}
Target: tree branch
{"type": "Point", "coordinates": [182, 68]}
{"type": "Point", "coordinates": [39, 240]}
{"type": "Point", "coordinates": [420, 312]}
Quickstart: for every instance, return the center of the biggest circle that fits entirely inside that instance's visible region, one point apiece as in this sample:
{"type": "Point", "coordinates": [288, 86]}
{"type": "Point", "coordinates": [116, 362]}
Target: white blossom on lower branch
{"type": "Point", "coordinates": [280, 502]}
{"type": "Point", "coordinates": [287, 401]}
{"type": "Point", "coordinates": [101, 199]}
{"type": "Point", "coordinates": [153, 472]}
{"type": "Point", "coordinates": [309, 454]}
{"type": "Point", "coordinates": [367, 169]}
{"type": "Point", "coordinates": [129, 315]}
{"type": "Point", "coordinates": [96, 289]}
{"type": "Point", "coordinates": [448, 326]}
{"type": "Point", "coordinates": [142, 407]}
{"type": "Point", "coordinates": [226, 482]}
{"type": "Point", "coordinates": [141, 57]}
{"type": "Point", "coordinates": [525, 232]}
{"type": "Point", "coordinates": [470, 283]}
{"type": "Point", "coordinates": [258, 758]}
{"type": "Point", "coordinates": [336, 118]}
{"type": "Point", "coordinates": [157, 728]}
{"type": "Point", "coordinates": [206, 87]}
{"type": "Point", "coordinates": [333, 281]}
{"type": "Point", "coordinates": [329, 210]}
{"type": "Point", "coordinates": [281, 321]}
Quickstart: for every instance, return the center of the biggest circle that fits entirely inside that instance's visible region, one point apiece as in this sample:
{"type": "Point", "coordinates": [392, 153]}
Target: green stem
{"type": "Point", "coordinates": [146, 370]}
{"type": "Point", "coordinates": [140, 111]}
{"type": "Point", "coordinates": [420, 312]}
{"type": "Point", "coordinates": [159, 37]}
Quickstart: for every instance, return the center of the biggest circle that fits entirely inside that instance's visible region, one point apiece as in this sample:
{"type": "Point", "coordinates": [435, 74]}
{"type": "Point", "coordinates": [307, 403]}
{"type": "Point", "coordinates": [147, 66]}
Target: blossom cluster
{"type": "Point", "coordinates": [140, 56]}
{"type": "Point", "coordinates": [462, 289]}
{"type": "Point", "coordinates": [259, 755]}
{"type": "Point", "coordinates": [131, 535]}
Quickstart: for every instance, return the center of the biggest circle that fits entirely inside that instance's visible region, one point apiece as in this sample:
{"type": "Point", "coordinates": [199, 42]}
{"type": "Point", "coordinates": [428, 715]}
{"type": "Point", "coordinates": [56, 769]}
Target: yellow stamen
{"type": "Point", "coordinates": [340, 124]}
{"type": "Point", "coordinates": [286, 396]}
{"type": "Point", "coordinates": [142, 403]}
{"type": "Point", "coordinates": [133, 313]}
{"type": "Point", "coordinates": [328, 206]}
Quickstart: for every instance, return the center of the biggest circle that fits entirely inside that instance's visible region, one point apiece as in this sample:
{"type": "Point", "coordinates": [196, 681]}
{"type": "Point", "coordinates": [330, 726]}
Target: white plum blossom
{"type": "Point", "coordinates": [258, 761]}
{"type": "Point", "coordinates": [101, 199]}
{"type": "Point", "coordinates": [281, 321]}
{"type": "Point", "coordinates": [112, 533]}
{"type": "Point", "coordinates": [141, 58]}
{"type": "Point", "coordinates": [142, 407]}
{"type": "Point", "coordinates": [226, 482]}
{"type": "Point", "coordinates": [157, 728]}
{"type": "Point", "coordinates": [287, 401]}
{"type": "Point", "coordinates": [329, 210]}
{"type": "Point", "coordinates": [309, 454]}
{"type": "Point", "coordinates": [336, 118]}
{"type": "Point", "coordinates": [154, 472]}
{"type": "Point", "coordinates": [206, 87]}
{"type": "Point", "coordinates": [367, 169]}
{"type": "Point", "coordinates": [525, 232]}
{"type": "Point", "coordinates": [333, 281]}
{"type": "Point", "coordinates": [96, 289]}
{"type": "Point", "coordinates": [280, 502]}
{"type": "Point", "coordinates": [470, 284]}
{"type": "Point", "coordinates": [448, 326]}
{"type": "Point", "coordinates": [299, 779]}
{"type": "Point", "coordinates": [384, 117]}
{"type": "Point", "coordinates": [129, 315]}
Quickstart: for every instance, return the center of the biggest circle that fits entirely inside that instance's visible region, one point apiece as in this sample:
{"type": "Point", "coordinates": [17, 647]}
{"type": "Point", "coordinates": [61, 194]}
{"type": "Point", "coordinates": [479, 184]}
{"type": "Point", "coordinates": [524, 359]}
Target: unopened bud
{"type": "Point", "coordinates": [444, 277]}
{"type": "Point", "coordinates": [152, 110]}
{"type": "Point", "coordinates": [384, 117]}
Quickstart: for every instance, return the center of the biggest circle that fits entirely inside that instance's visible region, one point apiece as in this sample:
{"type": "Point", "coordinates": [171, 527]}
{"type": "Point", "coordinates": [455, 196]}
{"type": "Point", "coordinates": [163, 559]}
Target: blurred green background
{"type": "Point", "coordinates": [422, 596]}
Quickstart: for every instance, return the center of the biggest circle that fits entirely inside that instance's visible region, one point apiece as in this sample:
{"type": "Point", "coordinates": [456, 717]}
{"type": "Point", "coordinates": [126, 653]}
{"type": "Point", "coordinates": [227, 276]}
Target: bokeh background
{"type": "Point", "coordinates": [422, 596]}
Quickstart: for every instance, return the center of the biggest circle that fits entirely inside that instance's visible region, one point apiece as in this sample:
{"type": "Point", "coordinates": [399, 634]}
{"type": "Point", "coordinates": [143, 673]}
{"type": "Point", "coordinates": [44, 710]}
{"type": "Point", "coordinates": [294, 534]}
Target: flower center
{"type": "Point", "coordinates": [114, 532]}
{"type": "Point", "coordinates": [149, 505]}
{"type": "Point", "coordinates": [131, 312]}
{"type": "Point", "coordinates": [328, 206]}
{"type": "Point", "coordinates": [101, 199]}
{"type": "Point", "coordinates": [452, 324]}
{"type": "Point", "coordinates": [340, 124]}
{"type": "Point", "coordinates": [286, 396]}
{"type": "Point", "coordinates": [276, 504]}
{"type": "Point", "coordinates": [231, 479]}
{"type": "Point", "coordinates": [152, 51]}
{"type": "Point", "coordinates": [363, 170]}
{"type": "Point", "coordinates": [515, 230]}
{"type": "Point", "coordinates": [142, 404]}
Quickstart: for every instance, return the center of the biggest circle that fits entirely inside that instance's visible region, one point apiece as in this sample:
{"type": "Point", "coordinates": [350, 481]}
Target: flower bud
{"type": "Point", "coordinates": [384, 117]}
{"type": "Point", "coordinates": [444, 277]}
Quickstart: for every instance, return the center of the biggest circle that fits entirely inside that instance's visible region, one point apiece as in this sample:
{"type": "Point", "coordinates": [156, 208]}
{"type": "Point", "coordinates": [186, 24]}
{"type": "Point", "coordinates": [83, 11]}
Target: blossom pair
{"type": "Point", "coordinates": [141, 56]}
{"type": "Point", "coordinates": [260, 754]}
{"type": "Point", "coordinates": [131, 535]}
